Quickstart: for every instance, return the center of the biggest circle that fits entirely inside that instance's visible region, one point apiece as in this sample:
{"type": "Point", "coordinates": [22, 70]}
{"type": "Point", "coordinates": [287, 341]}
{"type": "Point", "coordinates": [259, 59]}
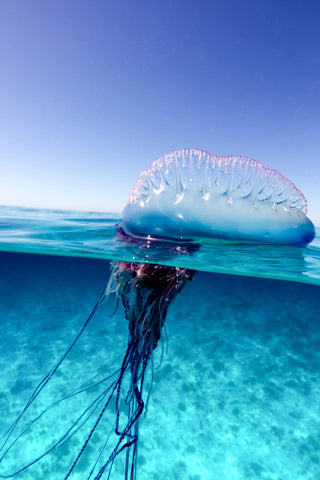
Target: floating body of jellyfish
{"type": "Point", "coordinates": [185, 198]}
{"type": "Point", "coordinates": [192, 195]}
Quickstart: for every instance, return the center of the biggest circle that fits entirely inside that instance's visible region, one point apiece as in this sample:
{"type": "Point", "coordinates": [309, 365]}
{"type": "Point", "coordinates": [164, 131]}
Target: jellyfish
{"type": "Point", "coordinates": [184, 199]}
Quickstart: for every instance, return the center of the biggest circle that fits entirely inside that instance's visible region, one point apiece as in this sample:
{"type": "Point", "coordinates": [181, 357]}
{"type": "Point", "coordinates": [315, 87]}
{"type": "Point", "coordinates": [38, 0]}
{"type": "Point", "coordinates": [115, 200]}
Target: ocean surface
{"type": "Point", "coordinates": [236, 378]}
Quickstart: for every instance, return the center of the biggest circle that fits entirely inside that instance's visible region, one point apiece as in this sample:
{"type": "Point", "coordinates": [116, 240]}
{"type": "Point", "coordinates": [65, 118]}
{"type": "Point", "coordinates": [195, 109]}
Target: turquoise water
{"type": "Point", "coordinates": [236, 391]}
{"type": "Point", "coordinates": [94, 235]}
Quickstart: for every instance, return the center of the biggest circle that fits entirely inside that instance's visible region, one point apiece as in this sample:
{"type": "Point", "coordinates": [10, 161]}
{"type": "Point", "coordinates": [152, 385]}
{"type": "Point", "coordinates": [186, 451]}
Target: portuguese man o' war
{"type": "Point", "coordinates": [185, 198]}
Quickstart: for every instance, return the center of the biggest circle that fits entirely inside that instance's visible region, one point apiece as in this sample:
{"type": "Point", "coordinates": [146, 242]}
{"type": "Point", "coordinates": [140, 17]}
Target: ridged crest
{"type": "Point", "coordinates": [233, 176]}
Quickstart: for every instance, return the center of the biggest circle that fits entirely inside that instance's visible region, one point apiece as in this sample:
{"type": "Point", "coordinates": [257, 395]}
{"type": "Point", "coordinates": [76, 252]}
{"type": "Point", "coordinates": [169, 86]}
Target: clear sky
{"type": "Point", "coordinates": [93, 91]}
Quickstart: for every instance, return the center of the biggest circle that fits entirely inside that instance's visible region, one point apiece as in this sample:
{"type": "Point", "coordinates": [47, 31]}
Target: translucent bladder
{"type": "Point", "coordinates": [192, 195]}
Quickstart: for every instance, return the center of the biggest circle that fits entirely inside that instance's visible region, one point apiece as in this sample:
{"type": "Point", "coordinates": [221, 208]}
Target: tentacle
{"type": "Point", "coordinates": [5, 438]}
{"type": "Point", "coordinates": [146, 291]}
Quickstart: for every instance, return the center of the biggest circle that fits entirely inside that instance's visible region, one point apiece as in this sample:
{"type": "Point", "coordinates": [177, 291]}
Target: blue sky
{"type": "Point", "coordinates": [93, 91]}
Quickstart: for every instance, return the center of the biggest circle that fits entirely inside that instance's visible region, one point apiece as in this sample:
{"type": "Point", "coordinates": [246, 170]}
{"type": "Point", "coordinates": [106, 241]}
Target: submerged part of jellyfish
{"type": "Point", "coordinates": [145, 291]}
{"type": "Point", "coordinates": [192, 195]}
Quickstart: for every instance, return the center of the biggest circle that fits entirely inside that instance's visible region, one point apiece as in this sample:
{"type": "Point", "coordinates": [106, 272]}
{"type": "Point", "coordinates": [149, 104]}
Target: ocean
{"type": "Point", "coordinates": [233, 392]}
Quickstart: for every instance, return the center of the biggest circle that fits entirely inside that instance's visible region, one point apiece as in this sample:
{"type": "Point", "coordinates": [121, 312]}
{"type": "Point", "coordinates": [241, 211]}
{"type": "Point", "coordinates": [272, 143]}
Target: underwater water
{"type": "Point", "coordinates": [236, 378]}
